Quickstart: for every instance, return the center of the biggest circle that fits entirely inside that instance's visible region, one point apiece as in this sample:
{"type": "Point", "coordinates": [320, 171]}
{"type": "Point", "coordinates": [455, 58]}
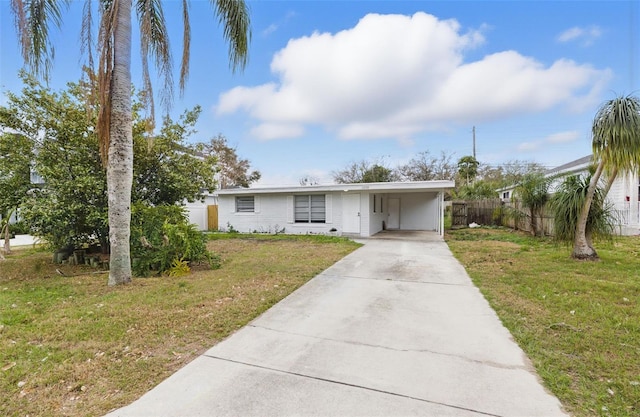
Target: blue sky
{"type": "Point", "coordinates": [334, 82]}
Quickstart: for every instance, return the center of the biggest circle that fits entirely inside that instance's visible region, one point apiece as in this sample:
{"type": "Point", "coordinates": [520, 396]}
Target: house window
{"type": "Point", "coordinates": [374, 203]}
{"type": "Point", "coordinates": [245, 204]}
{"type": "Point", "coordinates": [505, 195]}
{"type": "Point", "coordinates": [310, 209]}
{"type": "Point", "coordinates": [381, 205]}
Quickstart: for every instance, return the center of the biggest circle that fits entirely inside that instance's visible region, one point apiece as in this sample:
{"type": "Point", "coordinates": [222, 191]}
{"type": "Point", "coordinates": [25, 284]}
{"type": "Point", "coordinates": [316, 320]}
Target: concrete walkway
{"type": "Point", "coordinates": [20, 240]}
{"type": "Point", "coordinates": [394, 329]}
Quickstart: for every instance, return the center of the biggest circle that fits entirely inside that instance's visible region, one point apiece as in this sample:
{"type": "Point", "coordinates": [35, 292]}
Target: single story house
{"type": "Point", "coordinates": [358, 210]}
{"type": "Point", "coordinates": [624, 194]}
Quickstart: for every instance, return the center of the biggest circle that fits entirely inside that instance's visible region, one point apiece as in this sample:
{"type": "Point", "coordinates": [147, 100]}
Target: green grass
{"type": "Point", "coordinates": [71, 346]}
{"type": "Point", "coordinates": [579, 322]}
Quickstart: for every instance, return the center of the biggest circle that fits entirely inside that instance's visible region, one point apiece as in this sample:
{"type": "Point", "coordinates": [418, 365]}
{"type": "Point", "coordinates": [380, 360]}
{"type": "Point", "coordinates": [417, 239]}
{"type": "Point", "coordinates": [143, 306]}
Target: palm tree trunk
{"type": "Point", "coordinates": [120, 162]}
{"type": "Point", "coordinates": [533, 223]}
{"type": "Point", "coordinates": [7, 238]}
{"type": "Point", "coordinates": [610, 180]}
{"type": "Point", "coordinates": [589, 236]}
{"type": "Point", "coordinates": [582, 247]}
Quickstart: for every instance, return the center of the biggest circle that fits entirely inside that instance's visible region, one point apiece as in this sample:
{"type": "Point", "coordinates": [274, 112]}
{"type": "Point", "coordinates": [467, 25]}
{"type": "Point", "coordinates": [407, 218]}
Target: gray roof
{"type": "Point", "coordinates": [572, 166]}
{"type": "Point", "coordinates": [568, 168]}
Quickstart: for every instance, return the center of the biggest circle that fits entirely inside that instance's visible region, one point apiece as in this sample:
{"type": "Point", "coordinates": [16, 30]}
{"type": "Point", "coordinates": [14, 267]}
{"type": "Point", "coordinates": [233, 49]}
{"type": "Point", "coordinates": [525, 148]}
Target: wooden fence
{"type": "Point", "coordinates": [482, 212]}
{"type": "Point", "coordinates": [494, 212]}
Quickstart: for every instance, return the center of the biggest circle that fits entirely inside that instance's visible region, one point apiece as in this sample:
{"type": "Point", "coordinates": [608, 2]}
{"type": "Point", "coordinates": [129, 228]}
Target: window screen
{"type": "Point", "coordinates": [245, 204]}
{"type": "Point", "coordinates": [310, 209]}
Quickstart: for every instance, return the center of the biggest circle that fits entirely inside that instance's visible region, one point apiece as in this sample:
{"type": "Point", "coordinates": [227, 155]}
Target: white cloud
{"type": "Point", "coordinates": [270, 29]}
{"type": "Point", "coordinates": [275, 26]}
{"type": "Point", "coordinates": [563, 137]}
{"type": "Point", "coordinates": [269, 131]}
{"type": "Point", "coordinates": [554, 138]}
{"type": "Point", "coordinates": [394, 76]}
{"type": "Point", "coordinates": [529, 146]}
{"type": "Point", "coordinates": [586, 35]}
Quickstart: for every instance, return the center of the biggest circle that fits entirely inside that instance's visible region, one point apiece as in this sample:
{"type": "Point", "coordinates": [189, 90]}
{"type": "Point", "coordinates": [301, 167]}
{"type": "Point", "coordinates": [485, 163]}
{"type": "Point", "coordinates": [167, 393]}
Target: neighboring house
{"type": "Point", "coordinates": [623, 195]}
{"type": "Point", "coordinates": [358, 210]}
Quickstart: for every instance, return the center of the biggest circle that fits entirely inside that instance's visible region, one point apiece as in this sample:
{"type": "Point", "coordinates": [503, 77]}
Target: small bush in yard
{"type": "Point", "coordinates": [179, 267]}
{"type": "Point", "coordinates": [162, 235]}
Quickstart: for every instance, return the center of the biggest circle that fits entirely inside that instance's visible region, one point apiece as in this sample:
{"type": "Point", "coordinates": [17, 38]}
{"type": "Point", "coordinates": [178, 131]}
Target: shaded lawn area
{"type": "Point", "coordinates": [71, 346]}
{"type": "Point", "coordinates": [579, 322]}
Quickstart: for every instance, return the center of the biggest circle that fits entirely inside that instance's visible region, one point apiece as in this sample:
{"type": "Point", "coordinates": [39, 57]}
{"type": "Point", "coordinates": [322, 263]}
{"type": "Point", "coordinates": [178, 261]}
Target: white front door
{"type": "Point", "coordinates": [393, 221]}
{"type": "Point", "coordinates": [350, 213]}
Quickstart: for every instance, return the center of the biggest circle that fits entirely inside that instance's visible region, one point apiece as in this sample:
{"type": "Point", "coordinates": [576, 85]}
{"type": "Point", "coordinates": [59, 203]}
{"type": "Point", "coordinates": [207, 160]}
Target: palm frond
{"type": "Point", "coordinates": [33, 19]}
{"type": "Point", "coordinates": [186, 45]}
{"type": "Point", "coordinates": [567, 205]}
{"type": "Point", "coordinates": [86, 32]}
{"type": "Point", "coordinates": [533, 190]}
{"type": "Point", "coordinates": [234, 16]}
{"type": "Point", "coordinates": [154, 42]}
{"type": "Point", "coordinates": [616, 133]}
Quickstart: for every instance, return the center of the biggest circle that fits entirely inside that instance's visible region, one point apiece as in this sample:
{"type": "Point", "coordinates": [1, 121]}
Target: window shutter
{"type": "Point", "coordinates": [328, 209]}
{"type": "Point", "coordinates": [289, 209]}
{"type": "Point", "coordinates": [317, 209]}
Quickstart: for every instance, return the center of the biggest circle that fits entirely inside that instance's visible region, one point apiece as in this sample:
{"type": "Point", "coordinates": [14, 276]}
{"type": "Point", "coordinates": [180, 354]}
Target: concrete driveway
{"type": "Point", "coordinates": [394, 329]}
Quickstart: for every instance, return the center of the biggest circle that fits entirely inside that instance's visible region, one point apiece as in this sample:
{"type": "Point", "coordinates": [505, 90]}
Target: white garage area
{"type": "Point", "coordinates": [359, 210]}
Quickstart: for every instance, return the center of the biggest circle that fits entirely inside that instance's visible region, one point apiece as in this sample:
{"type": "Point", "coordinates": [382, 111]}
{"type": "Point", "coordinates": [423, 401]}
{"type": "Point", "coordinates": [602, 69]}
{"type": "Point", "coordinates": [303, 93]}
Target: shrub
{"type": "Point", "coordinates": [162, 238]}
{"type": "Point", "coordinates": [179, 267]}
{"type": "Point", "coordinates": [20, 228]}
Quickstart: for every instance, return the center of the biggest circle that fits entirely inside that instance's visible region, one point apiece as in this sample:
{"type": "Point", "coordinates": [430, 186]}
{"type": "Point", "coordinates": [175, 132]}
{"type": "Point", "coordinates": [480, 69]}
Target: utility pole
{"type": "Point", "coordinates": [474, 142]}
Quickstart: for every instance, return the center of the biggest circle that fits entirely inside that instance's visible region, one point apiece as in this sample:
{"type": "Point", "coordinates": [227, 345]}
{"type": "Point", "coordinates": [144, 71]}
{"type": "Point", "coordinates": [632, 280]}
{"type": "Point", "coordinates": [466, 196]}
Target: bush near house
{"type": "Point", "coordinates": [163, 240]}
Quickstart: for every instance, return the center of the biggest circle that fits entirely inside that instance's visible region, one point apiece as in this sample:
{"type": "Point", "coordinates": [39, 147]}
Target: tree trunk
{"type": "Point", "coordinates": [533, 223]}
{"type": "Point", "coordinates": [610, 181]}
{"type": "Point", "coordinates": [7, 238]}
{"type": "Point", "coordinates": [582, 247]}
{"type": "Point", "coordinates": [120, 163]}
{"type": "Point", "coordinates": [589, 236]}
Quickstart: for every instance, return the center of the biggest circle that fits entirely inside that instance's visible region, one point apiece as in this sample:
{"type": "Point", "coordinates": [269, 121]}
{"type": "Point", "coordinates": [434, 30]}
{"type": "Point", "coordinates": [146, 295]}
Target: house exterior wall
{"type": "Point", "coordinates": [624, 196]}
{"type": "Point", "coordinates": [619, 189]}
{"type": "Point", "coordinates": [274, 212]}
{"type": "Point", "coordinates": [350, 209]}
{"type": "Point", "coordinates": [418, 211]}
{"type": "Point", "coordinates": [197, 211]}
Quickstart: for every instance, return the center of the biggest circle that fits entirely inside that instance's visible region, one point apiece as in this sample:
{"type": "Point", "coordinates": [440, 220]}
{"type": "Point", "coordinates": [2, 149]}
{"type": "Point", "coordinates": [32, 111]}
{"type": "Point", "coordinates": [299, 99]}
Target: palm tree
{"type": "Point", "coordinates": [616, 147]}
{"type": "Point", "coordinates": [533, 193]}
{"type": "Point", "coordinates": [114, 82]}
{"type": "Point", "coordinates": [567, 202]}
{"type": "Point", "coordinates": [468, 168]}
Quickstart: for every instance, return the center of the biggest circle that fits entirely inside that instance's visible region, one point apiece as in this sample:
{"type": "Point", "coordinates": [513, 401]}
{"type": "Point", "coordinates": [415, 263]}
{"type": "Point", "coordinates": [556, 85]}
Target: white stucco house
{"type": "Point", "coordinates": [358, 210]}
{"type": "Point", "coordinates": [624, 193]}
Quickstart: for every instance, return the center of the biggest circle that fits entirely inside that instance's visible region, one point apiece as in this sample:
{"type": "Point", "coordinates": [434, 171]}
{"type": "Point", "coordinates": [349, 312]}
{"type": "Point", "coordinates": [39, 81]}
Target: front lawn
{"type": "Point", "coordinates": [579, 322]}
{"type": "Point", "coordinates": [71, 346]}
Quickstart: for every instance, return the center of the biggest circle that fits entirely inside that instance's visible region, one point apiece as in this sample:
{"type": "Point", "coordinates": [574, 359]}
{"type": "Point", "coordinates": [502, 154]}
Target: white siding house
{"type": "Point", "coordinates": [623, 194]}
{"type": "Point", "coordinates": [345, 209]}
